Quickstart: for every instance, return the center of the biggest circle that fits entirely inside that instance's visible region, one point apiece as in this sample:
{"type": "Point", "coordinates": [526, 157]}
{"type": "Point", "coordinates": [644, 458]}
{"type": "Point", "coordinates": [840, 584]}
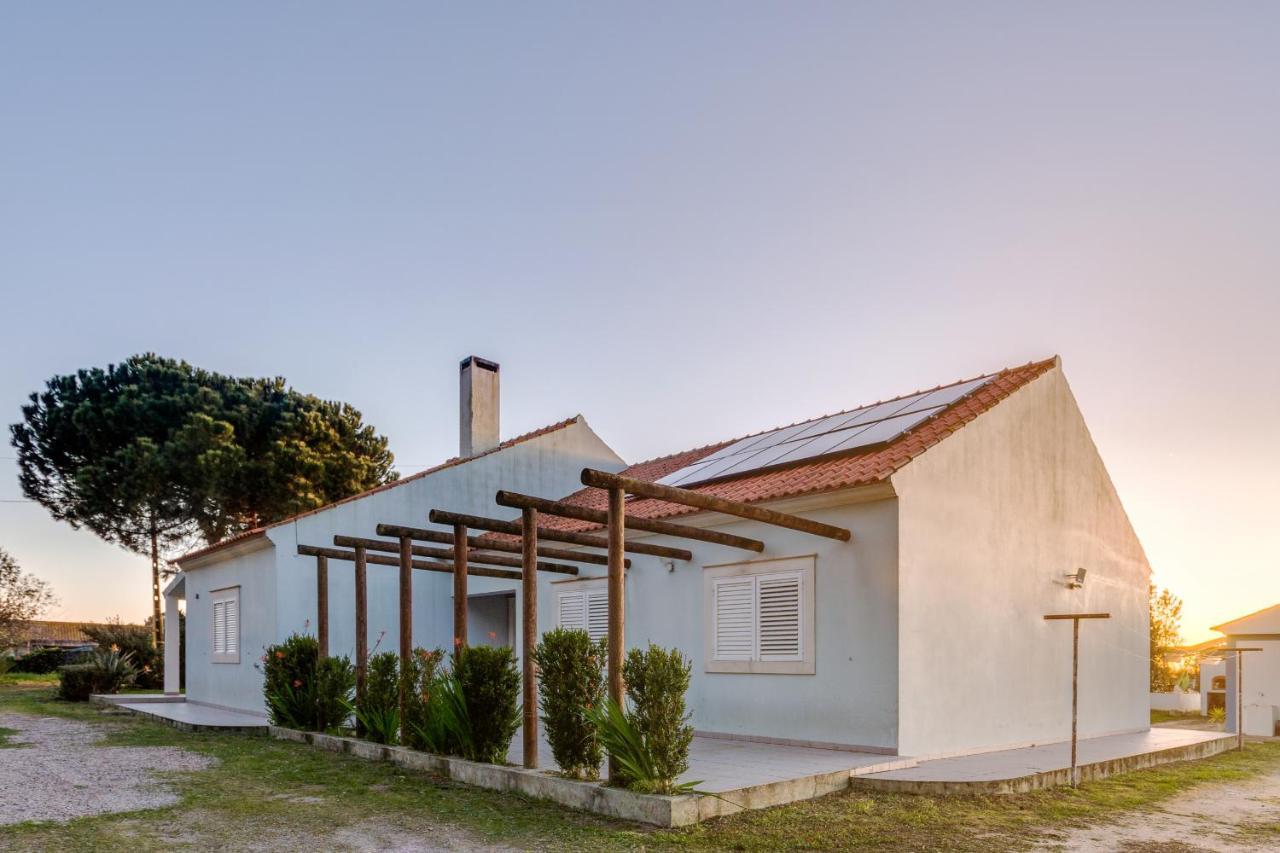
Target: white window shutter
{"type": "Point", "coordinates": [598, 615]}
{"type": "Point", "coordinates": [735, 617]}
{"type": "Point", "coordinates": [219, 627]}
{"type": "Point", "coordinates": [780, 614]}
{"type": "Point", "coordinates": [232, 619]}
{"type": "Point", "coordinates": [572, 610]}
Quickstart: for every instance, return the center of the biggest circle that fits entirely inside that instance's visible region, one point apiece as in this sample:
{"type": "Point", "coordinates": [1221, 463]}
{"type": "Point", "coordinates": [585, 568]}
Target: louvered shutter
{"type": "Point", "coordinates": [573, 610]}
{"type": "Point", "coordinates": [232, 619]}
{"type": "Point", "coordinates": [779, 615]}
{"type": "Point", "coordinates": [598, 615]}
{"type": "Point", "coordinates": [735, 617]}
{"type": "Point", "coordinates": [219, 627]}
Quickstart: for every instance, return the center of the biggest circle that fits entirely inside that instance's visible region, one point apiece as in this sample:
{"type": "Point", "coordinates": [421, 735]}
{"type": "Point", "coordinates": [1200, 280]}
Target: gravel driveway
{"type": "Point", "coordinates": [53, 770]}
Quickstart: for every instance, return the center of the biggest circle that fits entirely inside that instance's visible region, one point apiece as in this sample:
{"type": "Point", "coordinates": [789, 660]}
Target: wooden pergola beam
{"type": "Point", "coordinates": [513, 528]}
{"type": "Point", "coordinates": [422, 534]}
{"type": "Point", "coordinates": [596, 516]}
{"type": "Point", "coordinates": [420, 565]}
{"type": "Point", "coordinates": [698, 500]}
{"type": "Point", "coordinates": [473, 557]}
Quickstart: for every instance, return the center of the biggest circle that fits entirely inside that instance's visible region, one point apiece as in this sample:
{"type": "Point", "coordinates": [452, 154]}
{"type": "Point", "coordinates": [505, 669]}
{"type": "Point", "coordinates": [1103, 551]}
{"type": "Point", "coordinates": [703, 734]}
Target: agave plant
{"type": "Point", "coordinates": [635, 761]}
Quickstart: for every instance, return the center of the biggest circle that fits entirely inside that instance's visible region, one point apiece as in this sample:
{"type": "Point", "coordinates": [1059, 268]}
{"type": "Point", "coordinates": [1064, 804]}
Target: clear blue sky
{"type": "Point", "coordinates": [685, 220]}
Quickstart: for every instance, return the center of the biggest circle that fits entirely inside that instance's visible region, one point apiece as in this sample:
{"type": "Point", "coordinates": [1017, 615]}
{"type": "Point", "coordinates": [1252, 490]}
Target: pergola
{"type": "Point", "coordinates": [471, 555]}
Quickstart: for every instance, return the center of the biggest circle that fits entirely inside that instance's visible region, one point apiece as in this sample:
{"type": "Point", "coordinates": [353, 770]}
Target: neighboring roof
{"type": "Point", "coordinates": [810, 476]}
{"type": "Point", "coordinates": [259, 532]}
{"type": "Point", "coordinates": [41, 631]}
{"type": "Point", "coordinates": [1205, 646]}
{"type": "Point", "coordinates": [1264, 621]}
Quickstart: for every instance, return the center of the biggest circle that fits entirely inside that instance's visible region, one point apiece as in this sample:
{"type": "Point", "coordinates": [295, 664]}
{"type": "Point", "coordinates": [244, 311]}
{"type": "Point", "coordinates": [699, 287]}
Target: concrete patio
{"type": "Point", "coordinates": [1047, 765]}
{"type": "Point", "coordinates": [184, 715]}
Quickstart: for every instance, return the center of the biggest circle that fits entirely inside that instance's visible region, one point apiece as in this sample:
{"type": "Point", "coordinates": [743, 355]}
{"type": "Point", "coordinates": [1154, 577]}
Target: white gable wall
{"type": "Point", "coordinates": [989, 521]}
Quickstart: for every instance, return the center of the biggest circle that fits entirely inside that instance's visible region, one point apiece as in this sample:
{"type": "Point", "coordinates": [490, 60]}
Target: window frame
{"type": "Point", "coordinates": [586, 587]}
{"type": "Point", "coordinates": [224, 596]}
{"type": "Point", "coordinates": [803, 566]}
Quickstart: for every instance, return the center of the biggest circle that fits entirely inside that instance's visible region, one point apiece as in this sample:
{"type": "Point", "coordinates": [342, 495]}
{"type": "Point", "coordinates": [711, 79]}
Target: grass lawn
{"type": "Point", "coordinates": [293, 796]}
{"type": "Point", "coordinates": [1159, 717]}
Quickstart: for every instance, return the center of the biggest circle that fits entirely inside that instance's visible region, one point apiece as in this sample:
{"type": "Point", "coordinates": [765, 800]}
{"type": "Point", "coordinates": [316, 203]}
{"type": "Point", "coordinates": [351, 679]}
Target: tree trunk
{"type": "Point", "coordinates": [157, 627]}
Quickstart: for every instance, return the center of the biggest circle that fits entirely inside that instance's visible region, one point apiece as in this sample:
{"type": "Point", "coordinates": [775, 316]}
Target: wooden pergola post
{"type": "Point", "coordinates": [322, 604]}
{"type": "Point", "coordinates": [1075, 677]}
{"type": "Point", "coordinates": [617, 604]}
{"type": "Point", "coordinates": [406, 617]}
{"type": "Point", "coordinates": [362, 622]}
{"type": "Point", "coordinates": [1239, 689]}
{"type": "Point", "coordinates": [459, 587]}
{"type": "Point", "coordinates": [529, 634]}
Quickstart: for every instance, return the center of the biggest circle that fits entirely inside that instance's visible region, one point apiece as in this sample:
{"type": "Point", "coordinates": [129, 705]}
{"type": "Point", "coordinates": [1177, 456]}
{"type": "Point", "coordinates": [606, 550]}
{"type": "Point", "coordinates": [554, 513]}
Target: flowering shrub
{"type": "Point", "coordinates": [571, 684]}
{"type": "Point", "coordinates": [424, 723]}
{"type": "Point", "coordinates": [378, 711]}
{"type": "Point", "coordinates": [303, 689]}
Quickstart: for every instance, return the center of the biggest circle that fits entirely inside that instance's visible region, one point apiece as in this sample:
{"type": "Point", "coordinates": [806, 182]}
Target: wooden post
{"type": "Point", "coordinates": [617, 604]}
{"type": "Point", "coordinates": [322, 604]}
{"type": "Point", "coordinates": [1239, 690]}
{"type": "Point", "coordinates": [460, 587]}
{"type": "Point", "coordinates": [529, 635]}
{"type": "Point", "coordinates": [406, 617]}
{"type": "Point", "coordinates": [362, 622]}
{"type": "Point", "coordinates": [1075, 677]}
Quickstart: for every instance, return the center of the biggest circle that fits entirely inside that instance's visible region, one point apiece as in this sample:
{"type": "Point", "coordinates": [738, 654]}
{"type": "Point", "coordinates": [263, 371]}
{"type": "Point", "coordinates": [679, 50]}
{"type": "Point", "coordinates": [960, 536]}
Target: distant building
{"type": "Point", "coordinates": [1261, 687]}
{"type": "Point", "coordinates": [42, 634]}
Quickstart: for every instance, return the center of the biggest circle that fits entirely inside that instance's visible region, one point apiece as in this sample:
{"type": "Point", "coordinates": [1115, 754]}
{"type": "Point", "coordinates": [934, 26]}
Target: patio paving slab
{"type": "Point", "coordinates": [188, 716]}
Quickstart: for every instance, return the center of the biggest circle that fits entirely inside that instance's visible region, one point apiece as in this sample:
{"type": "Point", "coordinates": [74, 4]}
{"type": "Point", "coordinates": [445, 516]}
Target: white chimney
{"type": "Point", "coordinates": [478, 421]}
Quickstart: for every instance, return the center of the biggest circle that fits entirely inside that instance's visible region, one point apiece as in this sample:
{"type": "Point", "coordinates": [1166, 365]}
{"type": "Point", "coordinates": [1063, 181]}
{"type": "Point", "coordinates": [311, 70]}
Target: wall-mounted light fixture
{"type": "Point", "coordinates": [1074, 580]}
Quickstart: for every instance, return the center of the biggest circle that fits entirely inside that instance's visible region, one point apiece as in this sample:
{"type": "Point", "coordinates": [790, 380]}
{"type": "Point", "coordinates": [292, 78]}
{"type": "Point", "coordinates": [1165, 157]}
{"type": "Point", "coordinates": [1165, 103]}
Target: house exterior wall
{"type": "Point", "coordinates": [1261, 684]}
{"type": "Point", "coordinates": [851, 699]}
{"type": "Point", "coordinates": [546, 465]}
{"type": "Point", "coordinates": [231, 685]}
{"type": "Point", "coordinates": [989, 521]}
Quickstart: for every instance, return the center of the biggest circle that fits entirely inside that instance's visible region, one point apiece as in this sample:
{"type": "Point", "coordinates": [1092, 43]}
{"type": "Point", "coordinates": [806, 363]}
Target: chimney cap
{"type": "Point", "coordinates": [478, 362]}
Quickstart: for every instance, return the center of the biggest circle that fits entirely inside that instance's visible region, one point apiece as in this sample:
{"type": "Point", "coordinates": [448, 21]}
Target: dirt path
{"type": "Point", "coordinates": [1217, 817]}
{"type": "Point", "coordinates": [52, 769]}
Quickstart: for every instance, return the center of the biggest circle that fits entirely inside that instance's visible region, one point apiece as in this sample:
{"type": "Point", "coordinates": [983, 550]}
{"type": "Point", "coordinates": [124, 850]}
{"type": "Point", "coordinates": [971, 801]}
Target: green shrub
{"type": "Point", "coordinates": [377, 712]}
{"type": "Point", "coordinates": [571, 683]}
{"type": "Point", "coordinates": [41, 661]}
{"type": "Point", "coordinates": [486, 684]}
{"type": "Point", "coordinates": [134, 640]}
{"type": "Point", "coordinates": [106, 671]}
{"type": "Point", "coordinates": [289, 682]}
{"type": "Point", "coordinates": [424, 727]}
{"type": "Point", "coordinates": [6, 662]}
{"type": "Point", "coordinates": [335, 683]}
{"type": "Point", "coordinates": [1218, 715]}
{"type": "Point", "coordinates": [651, 743]}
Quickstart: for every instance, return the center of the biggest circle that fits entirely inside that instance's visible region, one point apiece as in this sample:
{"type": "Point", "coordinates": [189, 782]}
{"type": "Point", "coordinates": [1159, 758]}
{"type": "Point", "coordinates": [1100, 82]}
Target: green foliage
{"type": "Point", "coordinates": [106, 671]}
{"type": "Point", "coordinates": [135, 640]}
{"type": "Point", "coordinates": [1218, 715]}
{"type": "Point", "coordinates": [1165, 636]}
{"type": "Point", "coordinates": [152, 451]}
{"type": "Point", "coordinates": [335, 682]}
{"type": "Point", "coordinates": [23, 597]}
{"type": "Point", "coordinates": [637, 765]}
{"type": "Point", "coordinates": [6, 662]}
{"type": "Point", "coordinates": [41, 661]}
{"type": "Point", "coordinates": [289, 682]}
{"type": "Point", "coordinates": [484, 701]}
{"type": "Point", "coordinates": [571, 684]}
{"type": "Point", "coordinates": [657, 680]}
{"type": "Point", "coordinates": [425, 728]}
{"type": "Point", "coordinates": [377, 712]}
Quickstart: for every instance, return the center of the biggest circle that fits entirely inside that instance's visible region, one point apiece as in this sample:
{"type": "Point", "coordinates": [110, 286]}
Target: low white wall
{"type": "Point", "coordinates": [1176, 701]}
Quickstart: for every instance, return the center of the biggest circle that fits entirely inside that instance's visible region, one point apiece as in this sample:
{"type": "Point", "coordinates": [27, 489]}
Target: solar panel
{"type": "Point", "coordinates": [840, 433]}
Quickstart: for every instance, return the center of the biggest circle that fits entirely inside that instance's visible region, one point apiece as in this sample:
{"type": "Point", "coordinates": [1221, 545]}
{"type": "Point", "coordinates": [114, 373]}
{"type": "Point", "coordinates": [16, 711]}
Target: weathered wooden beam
{"type": "Point", "coordinates": [362, 621]}
{"type": "Point", "coordinates": [617, 602]}
{"type": "Point", "coordinates": [322, 604]}
{"type": "Point", "coordinates": [529, 636]}
{"type": "Point", "coordinates": [473, 557]}
{"type": "Point", "coordinates": [422, 534]}
{"type": "Point", "coordinates": [406, 622]}
{"type": "Point", "coordinates": [460, 586]}
{"type": "Point", "coordinates": [698, 500]}
{"type": "Point", "coordinates": [666, 528]}
{"type": "Point", "coordinates": [421, 565]}
{"type": "Point", "coordinates": [513, 528]}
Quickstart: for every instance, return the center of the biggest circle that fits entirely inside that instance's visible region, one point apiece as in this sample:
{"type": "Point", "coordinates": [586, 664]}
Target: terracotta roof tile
{"type": "Point", "coordinates": [820, 475]}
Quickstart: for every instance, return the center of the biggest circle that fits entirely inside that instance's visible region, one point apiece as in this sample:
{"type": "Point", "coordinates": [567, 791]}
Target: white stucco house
{"type": "Point", "coordinates": [1261, 687]}
{"type": "Point", "coordinates": [968, 505]}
